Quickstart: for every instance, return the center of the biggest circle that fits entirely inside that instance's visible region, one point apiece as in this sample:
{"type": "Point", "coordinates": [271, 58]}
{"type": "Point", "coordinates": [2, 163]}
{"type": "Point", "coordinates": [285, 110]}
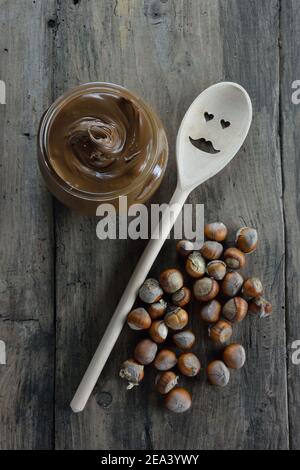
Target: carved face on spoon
{"type": "Point", "coordinates": [204, 145]}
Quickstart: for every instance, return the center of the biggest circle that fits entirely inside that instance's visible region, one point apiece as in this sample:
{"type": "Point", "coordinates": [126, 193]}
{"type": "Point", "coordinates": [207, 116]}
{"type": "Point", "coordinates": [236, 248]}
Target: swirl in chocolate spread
{"type": "Point", "coordinates": [100, 142]}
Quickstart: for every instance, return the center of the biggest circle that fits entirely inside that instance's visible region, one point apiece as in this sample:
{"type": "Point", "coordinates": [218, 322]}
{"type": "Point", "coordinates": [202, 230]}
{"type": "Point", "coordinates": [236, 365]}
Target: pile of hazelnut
{"type": "Point", "coordinates": [225, 299]}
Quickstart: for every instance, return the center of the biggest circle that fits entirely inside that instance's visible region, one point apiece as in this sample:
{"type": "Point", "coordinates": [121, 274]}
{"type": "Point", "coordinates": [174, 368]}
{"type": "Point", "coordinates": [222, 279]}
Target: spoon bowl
{"type": "Point", "coordinates": [211, 133]}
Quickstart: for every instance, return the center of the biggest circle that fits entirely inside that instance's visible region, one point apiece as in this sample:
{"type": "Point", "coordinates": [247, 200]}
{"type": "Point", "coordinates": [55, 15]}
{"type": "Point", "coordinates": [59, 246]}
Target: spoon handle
{"type": "Point", "coordinates": [126, 302]}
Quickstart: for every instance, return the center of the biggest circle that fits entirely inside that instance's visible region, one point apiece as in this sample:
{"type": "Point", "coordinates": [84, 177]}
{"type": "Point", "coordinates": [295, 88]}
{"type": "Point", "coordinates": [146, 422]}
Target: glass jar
{"type": "Point", "coordinates": [98, 142]}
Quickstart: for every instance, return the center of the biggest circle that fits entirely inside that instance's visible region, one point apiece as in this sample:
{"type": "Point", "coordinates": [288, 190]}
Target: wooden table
{"type": "Point", "coordinates": [59, 284]}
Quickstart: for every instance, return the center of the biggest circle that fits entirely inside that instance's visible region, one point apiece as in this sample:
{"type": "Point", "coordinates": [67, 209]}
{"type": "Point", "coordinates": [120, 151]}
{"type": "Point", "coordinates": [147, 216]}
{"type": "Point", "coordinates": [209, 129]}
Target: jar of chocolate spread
{"type": "Point", "coordinates": [99, 142]}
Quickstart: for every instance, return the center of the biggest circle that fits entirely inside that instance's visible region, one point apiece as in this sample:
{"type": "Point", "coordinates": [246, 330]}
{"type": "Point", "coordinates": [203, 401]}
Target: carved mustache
{"type": "Point", "coordinates": [204, 145]}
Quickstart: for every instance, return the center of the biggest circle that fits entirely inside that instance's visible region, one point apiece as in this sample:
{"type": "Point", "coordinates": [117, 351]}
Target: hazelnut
{"type": "Point", "coordinates": [139, 319]}
{"type": "Point", "coordinates": [165, 381]}
{"type": "Point", "coordinates": [132, 372]}
{"type": "Point", "coordinates": [184, 339]}
{"type": "Point", "coordinates": [206, 289]}
{"type": "Point", "coordinates": [220, 332]}
{"type": "Point", "coordinates": [150, 291]}
{"type": "Point", "coordinates": [189, 364]}
{"type": "Point", "coordinates": [158, 331]}
{"type": "Point", "coordinates": [178, 400]}
{"type": "Point", "coordinates": [145, 352]}
{"type": "Point", "coordinates": [211, 250]}
{"type": "Point", "coordinates": [216, 269]}
{"type": "Point", "coordinates": [165, 360]}
{"type": "Point", "coordinates": [211, 311]}
{"type": "Point", "coordinates": [261, 307]}
{"type": "Point", "coordinates": [252, 288]}
{"type": "Point", "coordinates": [158, 309]}
{"type": "Point", "coordinates": [184, 247]}
{"type": "Point", "coordinates": [234, 258]}
{"type": "Point", "coordinates": [171, 280]}
{"type": "Point", "coordinates": [176, 318]}
{"type": "Point", "coordinates": [235, 309]}
{"type": "Point", "coordinates": [182, 297]}
{"type": "Point", "coordinates": [195, 265]}
{"type": "Point", "coordinates": [246, 239]}
{"type": "Point", "coordinates": [218, 374]}
{"type": "Point", "coordinates": [234, 356]}
{"type": "Point", "coordinates": [215, 231]}
{"type": "Point", "coordinates": [232, 283]}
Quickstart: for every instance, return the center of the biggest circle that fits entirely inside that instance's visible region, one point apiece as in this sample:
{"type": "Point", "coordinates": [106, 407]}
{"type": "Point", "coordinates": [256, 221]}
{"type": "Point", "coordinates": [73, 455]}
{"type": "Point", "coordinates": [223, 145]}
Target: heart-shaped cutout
{"type": "Point", "coordinates": [208, 117]}
{"type": "Point", "coordinates": [225, 124]}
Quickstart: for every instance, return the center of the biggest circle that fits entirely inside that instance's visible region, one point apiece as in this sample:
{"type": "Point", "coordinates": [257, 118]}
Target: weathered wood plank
{"type": "Point", "coordinates": [168, 51]}
{"type": "Point", "coordinates": [26, 280]}
{"type": "Point", "coordinates": [250, 32]}
{"type": "Point", "coordinates": [290, 115]}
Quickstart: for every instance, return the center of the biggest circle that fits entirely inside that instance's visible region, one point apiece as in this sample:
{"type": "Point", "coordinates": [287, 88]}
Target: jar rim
{"type": "Point", "coordinates": [154, 121]}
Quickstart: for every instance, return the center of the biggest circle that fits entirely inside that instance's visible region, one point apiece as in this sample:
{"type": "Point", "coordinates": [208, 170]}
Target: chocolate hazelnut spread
{"type": "Point", "coordinates": [100, 141]}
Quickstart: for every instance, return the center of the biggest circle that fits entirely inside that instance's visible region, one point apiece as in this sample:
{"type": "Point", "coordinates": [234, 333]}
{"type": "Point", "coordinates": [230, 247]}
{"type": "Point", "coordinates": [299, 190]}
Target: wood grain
{"type": "Point", "coordinates": [26, 247]}
{"type": "Point", "coordinates": [290, 115]}
{"type": "Point", "coordinates": [168, 52]}
{"type": "Point", "coordinates": [59, 284]}
{"type": "Point", "coordinates": [251, 58]}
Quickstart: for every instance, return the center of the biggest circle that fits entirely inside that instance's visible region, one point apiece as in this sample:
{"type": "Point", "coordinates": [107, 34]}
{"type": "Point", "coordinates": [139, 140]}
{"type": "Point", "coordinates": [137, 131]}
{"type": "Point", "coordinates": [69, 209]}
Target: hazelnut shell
{"type": "Point", "coordinates": [215, 231]}
{"type": "Point", "coordinates": [158, 331]}
{"type": "Point", "coordinates": [165, 382]}
{"type": "Point", "coordinates": [234, 356]}
{"type": "Point", "coordinates": [132, 372]}
{"type": "Point", "coordinates": [176, 318]}
{"type": "Point", "coordinates": [165, 360]}
{"type": "Point", "coordinates": [260, 307]}
{"type": "Point", "coordinates": [211, 311]}
{"type": "Point", "coordinates": [189, 364]}
{"type": "Point", "coordinates": [211, 250]}
{"type": "Point", "coordinates": [139, 319]}
{"type": "Point", "coordinates": [234, 258]}
{"type": "Point", "coordinates": [182, 297]}
{"type": "Point", "coordinates": [218, 374]}
{"type": "Point", "coordinates": [220, 332]}
{"type": "Point", "coordinates": [178, 400]}
{"type": "Point", "coordinates": [216, 269]}
{"type": "Point", "coordinates": [171, 280]}
{"type": "Point", "coordinates": [145, 352]}
{"type": "Point", "coordinates": [184, 247]}
{"type": "Point", "coordinates": [232, 284]}
{"type": "Point", "coordinates": [246, 239]}
{"type": "Point", "coordinates": [205, 289]}
{"type": "Point", "coordinates": [235, 309]}
{"type": "Point", "coordinates": [158, 309]}
{"type": "Point", "coordinates": [184, 339]}
{"type": "Point", "coordinates": [252, 287]}
{"type": "Point", "coordinates": [195, 265]}
{"type": "Point", "coordinates": [150, 291]}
